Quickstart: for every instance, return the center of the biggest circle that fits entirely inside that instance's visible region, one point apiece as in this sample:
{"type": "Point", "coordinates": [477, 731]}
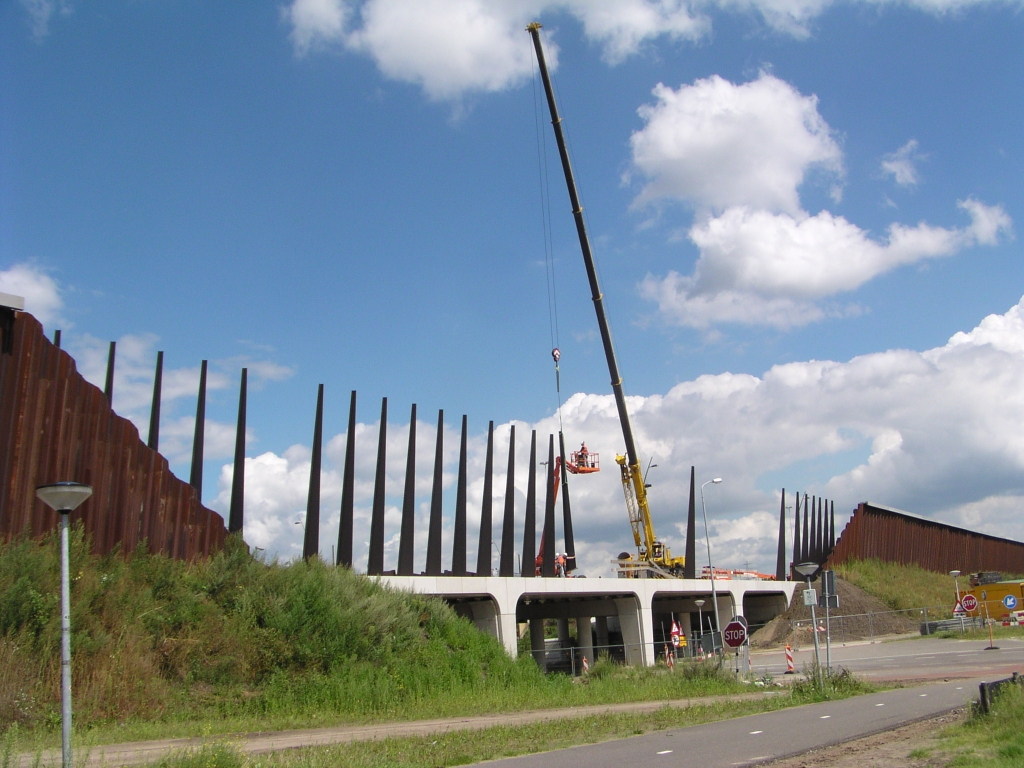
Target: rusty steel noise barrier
{"type": "Point", "coordinates": [54, 426]}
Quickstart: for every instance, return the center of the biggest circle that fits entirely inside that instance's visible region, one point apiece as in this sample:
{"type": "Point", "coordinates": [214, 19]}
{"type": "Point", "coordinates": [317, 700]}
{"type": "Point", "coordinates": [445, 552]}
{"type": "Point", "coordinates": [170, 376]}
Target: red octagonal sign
{"type": "Point", "coordinates": [969, 602]}
{"type": "Point", "coordinates": [734, 634]}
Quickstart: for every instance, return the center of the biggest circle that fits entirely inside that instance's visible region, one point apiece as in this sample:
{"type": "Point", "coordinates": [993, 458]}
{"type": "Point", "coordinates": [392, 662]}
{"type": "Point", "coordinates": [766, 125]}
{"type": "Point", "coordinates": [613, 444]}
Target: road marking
{"type": "Point", "coordinates": [959, 687]}
{"type": "Point", "coordinates": [754, 733]}
{"type": "Point", "coordinates": [923, 695]}
{"type": "Point", "coordinates": [879, 705]}
{"type": "Point", "coordinates": [825, 717]}
{"type": "Point", "coordinates": [665, 752]}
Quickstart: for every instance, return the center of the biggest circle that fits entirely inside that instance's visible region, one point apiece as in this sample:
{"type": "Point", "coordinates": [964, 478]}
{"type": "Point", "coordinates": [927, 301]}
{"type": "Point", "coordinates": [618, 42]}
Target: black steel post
{"type": "Point", "coordinates": [459, 534]}
{"type": "Point", "coordinates": [483, 552]}
{"type": "Point", "coordinates": [796, 533]}
{"type": "Point", "coordinates": [236, 514]}
{"type": "Point", "coordinates": [508, 525]}
{"type": "Point", "coordinates": [348, 482]}
{"type": "Point", "coordinates": [570, 540]}
{"type": "Point", "coordinates": [56, 338]}
{"type": "Point", "coordinates": [805, 548]}
{"type": "Point", "coordinates": [407, 542]}
{"type": "Point", "coordinates": [780, 563]}
{"type": "Point", "coordinates": [528, 566]}
{"type": "Point", "coordinates": [434, 527]}
{"type": "Point", "coordinates": [820, 548]}
{"type": "Point", "coordinates": [375, 561]}
{"type": "Point", "coordinates": [196, 477]}
{"type": "Point", "coordinates": [311, 530]}
{"type": "Point", "coordinates": [108, 388]}
{"type": "Point", "coordinates": [548, 537]}
{"type": "Point", "coordinates": [832, 527]}
{"type": "Point", "coordinates": [154, 411]}
{"type": "Point", "coordinates": [690, 563]}
{"type": "Point", "coordinates": [815, 523]}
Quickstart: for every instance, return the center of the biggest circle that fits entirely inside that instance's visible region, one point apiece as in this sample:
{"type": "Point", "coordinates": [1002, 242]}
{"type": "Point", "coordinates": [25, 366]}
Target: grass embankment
{"type": "Point", "coordinates": [903, 586]}
{"type": "Point", "coordinates": [165, 648]}
{"type": "Point", "coordinates": [464, 747]}
{"type": "Point", "coordinates": [995, 740]}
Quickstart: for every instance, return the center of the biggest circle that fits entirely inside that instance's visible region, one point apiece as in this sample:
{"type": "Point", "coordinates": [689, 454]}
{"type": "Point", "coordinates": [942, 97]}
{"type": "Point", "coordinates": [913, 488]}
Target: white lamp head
{"type": "Point", "coordinates": [64, 497]}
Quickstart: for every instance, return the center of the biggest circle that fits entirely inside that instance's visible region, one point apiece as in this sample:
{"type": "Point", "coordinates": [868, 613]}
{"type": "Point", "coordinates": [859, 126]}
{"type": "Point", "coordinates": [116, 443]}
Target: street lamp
{"type": "Point", "coordinates": [64, 498]}
{"type": "Point", "coordinates": [707, 538]}
{"type": "Point", "coordinates": [700, 616]}
{"type": "Point", "coordinates": [956, 583]}
{"type": "Point", "coordinates": [809, 571]}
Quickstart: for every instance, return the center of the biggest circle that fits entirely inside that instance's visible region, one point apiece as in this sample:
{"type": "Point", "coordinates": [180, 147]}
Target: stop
{"type": "Point", "coordinates": [969, 602]}
{"type": "Point", "coordinates": [734, 634]}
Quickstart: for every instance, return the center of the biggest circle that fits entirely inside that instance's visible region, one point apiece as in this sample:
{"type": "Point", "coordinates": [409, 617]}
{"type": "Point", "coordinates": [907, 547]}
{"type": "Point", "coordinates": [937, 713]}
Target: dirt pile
{"type": "Point", "coordinates": [860, 616]}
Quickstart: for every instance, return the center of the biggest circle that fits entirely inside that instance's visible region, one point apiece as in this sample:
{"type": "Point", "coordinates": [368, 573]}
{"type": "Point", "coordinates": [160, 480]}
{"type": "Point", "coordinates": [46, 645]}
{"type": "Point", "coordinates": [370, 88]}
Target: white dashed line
{"type": "Point", "coordinates": [879, 705]}
{"type": "Point", "coordinates": [665, 752]}
{"type": "Point", "coordinates": [754, 733]}
{"type": "Point", "coordinates": [923, 695]}
{"type": "Point", "coordinates": [825, 717]}
{"type": "Point", "coordinates": [959, 687]}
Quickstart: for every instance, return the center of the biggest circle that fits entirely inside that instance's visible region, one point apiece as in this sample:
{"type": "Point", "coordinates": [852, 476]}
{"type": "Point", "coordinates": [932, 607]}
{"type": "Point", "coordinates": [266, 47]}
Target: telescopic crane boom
{"type": "Point", "coordinates": [651, 551]}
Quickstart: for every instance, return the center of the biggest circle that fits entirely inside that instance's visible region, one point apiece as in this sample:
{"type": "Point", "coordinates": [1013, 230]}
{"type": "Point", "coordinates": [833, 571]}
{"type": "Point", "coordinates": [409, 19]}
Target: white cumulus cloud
{"type": "Point", "coordinates": [762, 268]}
{"type": "Point", "coordinates": [716, 144]}
{"type": "Point", "coordinates": [901, 164]}
{"type": "Point", "coordinates": [41, 293]}
{"type": "Point", "coordinates": [932, 432]}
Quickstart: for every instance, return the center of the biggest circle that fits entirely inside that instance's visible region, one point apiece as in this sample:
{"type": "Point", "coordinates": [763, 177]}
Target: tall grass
{"type": "Point", "coordinates": [903, 586]}
{"type": "Point", "coordinates": [232, 642]}
{"type": "Point", "coordinates": [995, 740]}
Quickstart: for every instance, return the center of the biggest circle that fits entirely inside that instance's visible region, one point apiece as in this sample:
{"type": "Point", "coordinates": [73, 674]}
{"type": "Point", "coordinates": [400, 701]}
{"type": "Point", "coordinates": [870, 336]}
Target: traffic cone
{"type": "Point", "coordinates": [789, 660]}
{"type": "Point", "coordinates": [586, 666]}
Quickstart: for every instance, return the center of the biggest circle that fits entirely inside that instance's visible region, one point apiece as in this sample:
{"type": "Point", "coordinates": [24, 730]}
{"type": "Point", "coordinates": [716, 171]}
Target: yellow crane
{"type": "Point", "coordinates": [653, 557]}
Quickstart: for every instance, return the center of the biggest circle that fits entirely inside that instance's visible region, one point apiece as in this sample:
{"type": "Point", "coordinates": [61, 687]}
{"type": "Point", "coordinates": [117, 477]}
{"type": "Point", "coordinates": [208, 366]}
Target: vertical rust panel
{"type": "Point", "coordinates": [892, 536]}
{"type": "Point", "coordinates": [54, 426]}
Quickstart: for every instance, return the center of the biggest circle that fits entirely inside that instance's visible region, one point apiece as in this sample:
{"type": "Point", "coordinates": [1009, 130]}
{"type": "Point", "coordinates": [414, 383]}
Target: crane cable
{"type": "Point", "coordinates": [549, 258]}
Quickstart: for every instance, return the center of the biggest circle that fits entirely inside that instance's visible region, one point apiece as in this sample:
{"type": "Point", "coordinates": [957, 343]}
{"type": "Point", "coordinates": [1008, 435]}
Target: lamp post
{"type": "Point", "coordinates": [707, 539]}
{"type": "Point", "coordinates": [64, 498]}
{"type": "Point", "coordinates": [808, 571]}
{"type": "Point", "coordinates": [700, 616]}
{"type": "Point", "coordinates": [956, 583]}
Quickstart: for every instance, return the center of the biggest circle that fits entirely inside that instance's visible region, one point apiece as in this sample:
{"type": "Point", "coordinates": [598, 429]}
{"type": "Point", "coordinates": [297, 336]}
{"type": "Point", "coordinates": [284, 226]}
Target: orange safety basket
{"type": "Point", "coordinates": [583, 463]}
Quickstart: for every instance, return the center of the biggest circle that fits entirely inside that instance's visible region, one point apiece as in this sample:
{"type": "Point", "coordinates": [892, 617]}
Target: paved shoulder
{"type": "Point", "coordinates": [760, 738]}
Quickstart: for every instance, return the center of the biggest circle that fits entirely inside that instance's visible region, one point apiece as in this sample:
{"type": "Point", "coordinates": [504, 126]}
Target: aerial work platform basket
{"type": "Point", "coordinates": [583, 462]}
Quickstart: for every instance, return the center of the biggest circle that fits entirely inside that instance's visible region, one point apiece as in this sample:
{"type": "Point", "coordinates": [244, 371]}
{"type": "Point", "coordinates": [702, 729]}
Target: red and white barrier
{"type": "Point", "coordinates": [789, 660]}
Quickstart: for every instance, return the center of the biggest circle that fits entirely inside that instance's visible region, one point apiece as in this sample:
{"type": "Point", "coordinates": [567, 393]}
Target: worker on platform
{"type": "Point", "coordinates": [583, 456]}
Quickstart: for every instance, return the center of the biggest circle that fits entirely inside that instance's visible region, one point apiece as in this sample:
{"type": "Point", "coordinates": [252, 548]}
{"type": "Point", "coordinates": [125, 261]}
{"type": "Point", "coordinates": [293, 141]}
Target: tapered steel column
{"type": "Point", "coordinates": [805, 549]}
{"type": "Point", "coordinates": [508, 525]}
{"type": "Point", "coordinates": [196, 477]}
{"type": "Point", "coordinates": [528, 565]}
{"type": "Point", "coordinates": [348, 481]}
{"type": "Point", "coordinates": [548, 537]}
{"type": "Point", "coordinates": [570, 540]}
{"type": "Point", "coordinates": [796, 532]}
{"type": "Point", "coordinates": [812, 553]}
{"type": "Point", "coordinates": [56, 338]}
{"type": "Point", "coordinates": [154, 411]}
{"type": "Point", "coordinates": [780, 563]}
{"type": "Point", "coordinates": [832, 528]}
{"type": "Point", "coordinates": [434, 528]}
{"type": "Point", "coordinates": [235, 517]}
{"type": "Point", "coordinates": [690, 563]}
{"type": "Point", "coordinates": [483, 551]}
{"type": "Point", "coordinates": [375, 562]}
{"type": "Point", "coordinates": [820, 541]}
{"type": "Point", "coordinates": [108, 388]}
{"type": "Point", "coordinates": [407, 542]}
{"type": "Point", "coordinates": [311, 530]}
{"type": "Point", "coordinates": [459, 534]}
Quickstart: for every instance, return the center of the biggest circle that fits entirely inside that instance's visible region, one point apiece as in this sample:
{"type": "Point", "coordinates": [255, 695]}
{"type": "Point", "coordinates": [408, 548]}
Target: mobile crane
{"type": "Point", "coordinates": [653, 557]}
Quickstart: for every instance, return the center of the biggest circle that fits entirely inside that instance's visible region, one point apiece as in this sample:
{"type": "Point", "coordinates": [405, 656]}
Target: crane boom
{"type": "Point", "coordinates": [648, 547]}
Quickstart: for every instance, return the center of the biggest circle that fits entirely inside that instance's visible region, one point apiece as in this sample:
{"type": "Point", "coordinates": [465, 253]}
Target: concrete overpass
{"type": "Point", "coordinates": [637, 607]}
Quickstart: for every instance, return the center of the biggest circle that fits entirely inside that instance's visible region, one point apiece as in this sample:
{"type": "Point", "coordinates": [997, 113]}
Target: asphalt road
{"type": "Point", "coordinates": [761, 738]}
{"type": "Point", "coordinates": [919, 659]}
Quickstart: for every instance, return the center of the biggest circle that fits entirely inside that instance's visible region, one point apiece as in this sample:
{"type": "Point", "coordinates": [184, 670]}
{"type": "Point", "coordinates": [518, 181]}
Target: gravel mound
{"type": "Point", "coordinates": [860, 616]}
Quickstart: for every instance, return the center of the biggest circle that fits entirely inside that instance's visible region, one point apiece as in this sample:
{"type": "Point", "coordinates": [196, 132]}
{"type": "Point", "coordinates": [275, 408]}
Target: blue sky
{"type": "Point", "coordinates": [349, 193]}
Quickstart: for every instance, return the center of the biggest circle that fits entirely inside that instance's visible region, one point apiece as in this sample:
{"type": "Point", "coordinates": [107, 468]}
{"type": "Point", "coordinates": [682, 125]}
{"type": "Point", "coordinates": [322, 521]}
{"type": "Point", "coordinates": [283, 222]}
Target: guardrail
{"type": "Point", "coordinates": [986, 691]}
{"type": "Point", "coordinates": [847, 624]}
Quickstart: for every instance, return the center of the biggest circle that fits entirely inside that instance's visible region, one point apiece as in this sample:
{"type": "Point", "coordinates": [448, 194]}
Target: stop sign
{"type": "Point", "coordinates": [969, 602]}
{"type": "Point", "coordinates": [734, 634]}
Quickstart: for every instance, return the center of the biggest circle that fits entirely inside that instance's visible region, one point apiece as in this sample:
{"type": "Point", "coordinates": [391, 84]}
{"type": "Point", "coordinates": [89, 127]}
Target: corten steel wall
{"type": "Point", "coordinates": [896, 537]}
{"type": "Point", "coordinates": [56, 426]}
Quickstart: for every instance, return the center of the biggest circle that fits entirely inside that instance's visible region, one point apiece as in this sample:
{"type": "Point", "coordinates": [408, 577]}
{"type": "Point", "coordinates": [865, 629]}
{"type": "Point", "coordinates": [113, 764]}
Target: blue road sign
{"type": "Point", "coordinates": [1010, 602]}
